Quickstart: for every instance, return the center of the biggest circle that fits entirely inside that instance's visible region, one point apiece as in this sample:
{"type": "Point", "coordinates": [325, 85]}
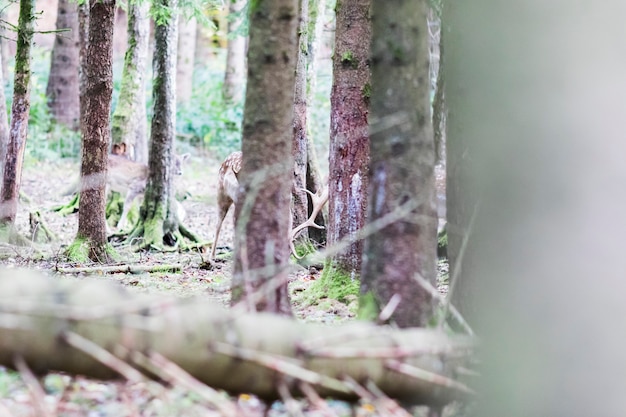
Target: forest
{"type": "Point", "coordinates": [311, 208]}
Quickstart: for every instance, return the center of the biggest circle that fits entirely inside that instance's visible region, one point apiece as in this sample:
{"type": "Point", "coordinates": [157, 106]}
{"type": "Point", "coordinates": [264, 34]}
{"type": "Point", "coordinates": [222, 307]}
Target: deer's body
{"type": "Point", "coordinates": [129, 179]}
{"type": "Point", "coordinates": [228, 191]}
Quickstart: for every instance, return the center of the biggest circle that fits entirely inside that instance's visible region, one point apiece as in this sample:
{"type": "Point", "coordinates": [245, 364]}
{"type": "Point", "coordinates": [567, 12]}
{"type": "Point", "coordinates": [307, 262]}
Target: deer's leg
{"type": "Point", "coordinates": [223, 204]}
{"type": "Point", "coordinates": [134, 191]}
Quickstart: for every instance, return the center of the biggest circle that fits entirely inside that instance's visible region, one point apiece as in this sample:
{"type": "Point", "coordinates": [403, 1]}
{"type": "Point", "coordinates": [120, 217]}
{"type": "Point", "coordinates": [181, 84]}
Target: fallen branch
{"type": "Point", "coordinates": [120, 269]}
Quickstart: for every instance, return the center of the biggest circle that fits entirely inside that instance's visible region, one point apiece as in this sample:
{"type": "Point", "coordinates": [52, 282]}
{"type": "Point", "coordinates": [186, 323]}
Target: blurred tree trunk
{"type": "Point", "coordinates": [186, 59]}
{"type": "Point", "coordinates": [91, 238]}
{"type": "Point", "coordinates": [461, 194]}
{"type": "Point", "coordinates": [19, 116]}
{"type": "Point", "coordinates": [300, 137]}
{"type": "Point", "coordinates": [349, 136]}
{"type": "Point", "coordinates": [129, 124]}
{"type": "Point", "coordinates": [401, 169]}
{"type": "Point", "coordinates": [63, 87]}
{"type": "Point", "coordinates": [235, 76]}
{"type": "Point", "coordinates": [314, 181]}
{"type": "Point", "coordinates": [4, 121]}
{"type": "Point", "coordinates": [158, 223]}
{"type": "Point", "coordinates": [262, 214]}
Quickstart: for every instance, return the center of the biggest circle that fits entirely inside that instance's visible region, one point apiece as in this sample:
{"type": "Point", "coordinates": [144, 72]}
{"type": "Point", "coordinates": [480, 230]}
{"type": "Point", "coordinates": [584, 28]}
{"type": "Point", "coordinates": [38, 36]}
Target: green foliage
{"type": "Point", "coordinates": [206, 120]}
{"type": "Point", "coordinates": [334, 283]}
{"type": "Point", "coordinates": [8, 380]}
{"type": "Point", "coordinates": [243, 16]}
{"type": "Point", "coordinates": [78, 251]}
{"type": "Point", "coordinates": [368, 307]}
{"type": "Point", "coordinates": [347, 58]}
{"type": "Point", "coordinates": [367, 90]}
{"type": "Point", "coordinates": [305, 248]}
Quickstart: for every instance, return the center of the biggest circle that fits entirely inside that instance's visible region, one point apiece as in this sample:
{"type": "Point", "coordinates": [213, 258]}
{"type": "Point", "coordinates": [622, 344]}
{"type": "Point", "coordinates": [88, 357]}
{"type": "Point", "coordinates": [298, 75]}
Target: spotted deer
{"type": "Point", "coordinates": [227, 192]}
{"type": "Point", "coordinates": [129, 179]}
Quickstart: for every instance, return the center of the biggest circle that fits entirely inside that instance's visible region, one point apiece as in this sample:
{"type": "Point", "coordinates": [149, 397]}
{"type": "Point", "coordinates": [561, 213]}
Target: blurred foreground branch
{"type": "Point", "coordinates": [99, 330]}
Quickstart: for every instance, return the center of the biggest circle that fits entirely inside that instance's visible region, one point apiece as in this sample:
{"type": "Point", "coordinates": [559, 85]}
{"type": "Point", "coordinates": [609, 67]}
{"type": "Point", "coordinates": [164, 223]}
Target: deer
{"type": "Point", "coordinates": [227, 195]}
{"type": "Point", "coordinates": [129, 178]}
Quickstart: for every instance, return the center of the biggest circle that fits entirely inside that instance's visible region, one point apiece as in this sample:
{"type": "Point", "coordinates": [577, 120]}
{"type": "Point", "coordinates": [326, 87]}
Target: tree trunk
{"type": "Point", "coordinates": [262, 214]}
{"type": "Point", "coordinates": [158, 223]}
{"type": "Point", "coordinates": [401, 193]}
{"type": "Point", "coordinates": [83, 43]}
{"type": "Point", "coordinates": [19, 115]}
{"type": "Point", "coordinates": [4, 121]}
{"type": "Point", "coordinates": [186, 59]}
{"type": "Point", "coordinates": [314, 181]}
{"type": "Point", "coordinates": [300, 137]}
{"type": "Point", "coordinates": [63, 88]}
{"type": "Point", "coordinates": [220, 348]}
{"type": "Point", "coordinates": [349, 138]}
{"type": "Point", "coordinates": [129, 124]}
{"type": "Point", "coordinates": [235, 76]}
{"type": "Point", "coordinates": [98, 84]}
{"type": "Point", "coordinates": [4, 49]}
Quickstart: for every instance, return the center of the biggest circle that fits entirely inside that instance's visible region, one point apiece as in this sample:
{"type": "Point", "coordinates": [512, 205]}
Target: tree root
{"type": "Point", "coordinates": [69, 208]}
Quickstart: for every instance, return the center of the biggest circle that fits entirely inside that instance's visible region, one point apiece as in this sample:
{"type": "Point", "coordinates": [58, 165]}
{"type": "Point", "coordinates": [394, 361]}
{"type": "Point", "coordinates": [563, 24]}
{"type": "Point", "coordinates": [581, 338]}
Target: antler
{"type": "Point", "coordinates": [318, 199]}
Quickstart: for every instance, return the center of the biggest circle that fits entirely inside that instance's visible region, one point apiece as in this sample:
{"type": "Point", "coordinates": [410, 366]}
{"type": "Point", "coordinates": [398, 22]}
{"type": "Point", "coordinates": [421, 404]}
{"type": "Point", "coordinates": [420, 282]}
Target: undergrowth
{"type": "Point", "coordinates": [334, 283]}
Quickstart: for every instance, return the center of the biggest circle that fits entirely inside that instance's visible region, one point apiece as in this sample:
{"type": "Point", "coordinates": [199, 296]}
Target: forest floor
{"type": "Point", "coordinates": [43, 184]}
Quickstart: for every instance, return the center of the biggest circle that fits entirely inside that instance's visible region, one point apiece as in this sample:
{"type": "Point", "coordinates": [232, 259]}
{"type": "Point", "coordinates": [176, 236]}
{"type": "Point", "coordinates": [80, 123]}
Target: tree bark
{"type": "Point", "coordinates": [349, 137]}
{"type": "Point", "coordinates": [158, 223]}
{"type": "Point", "coordinates": [4, 121]}
{"type": "Point", "coordinates": [63, 87]}
{"type": "Point", "coordinates": [129, 124]}
{"type": "Point", "coordinates": [98, 84]}
{"type": "Point", "coordinates": [221, 348]}
{"type": "Point", "coordinates": [19, 115]}
{"type": "Point", "coordinates": [402, 167]}
{"type": "Point", "coordinates": [186, 59]}
{"type": "Point", "coordinates": [262, 213]}
{"type": "Point", "coordinates": [300, 137]}
{"type": "Point", "coordinates": [235, 75]}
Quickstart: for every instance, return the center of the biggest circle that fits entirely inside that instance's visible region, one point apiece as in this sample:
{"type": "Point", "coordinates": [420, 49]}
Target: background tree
{"type": "Point", "coordinates": [401, 169]}
{"type": "Point", "coordinates": [158, 222]}
{"type": "Point", "coordinates": [19, 116]}
{"type": "Point", "coordinates": [4, 121]}
{"type": "Point", "coordinates": [300, 137]}
{"type": "Point", "coordinates": [235, 74]}
{"type": "Point", "coordinates": [91, 238]}
{"type": "Point", "coordinates": [129, 124]}
{"type": "Point", "coordinates": [349, 136]}
{"type": "Point", "coordinates": [186, 58]}
{"type": "Point", "coordinates": [314, 180]}
{"type": "Point", "coordinates": [262, 215]}
{"type": "Point", "coordinates": [62, 90]}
